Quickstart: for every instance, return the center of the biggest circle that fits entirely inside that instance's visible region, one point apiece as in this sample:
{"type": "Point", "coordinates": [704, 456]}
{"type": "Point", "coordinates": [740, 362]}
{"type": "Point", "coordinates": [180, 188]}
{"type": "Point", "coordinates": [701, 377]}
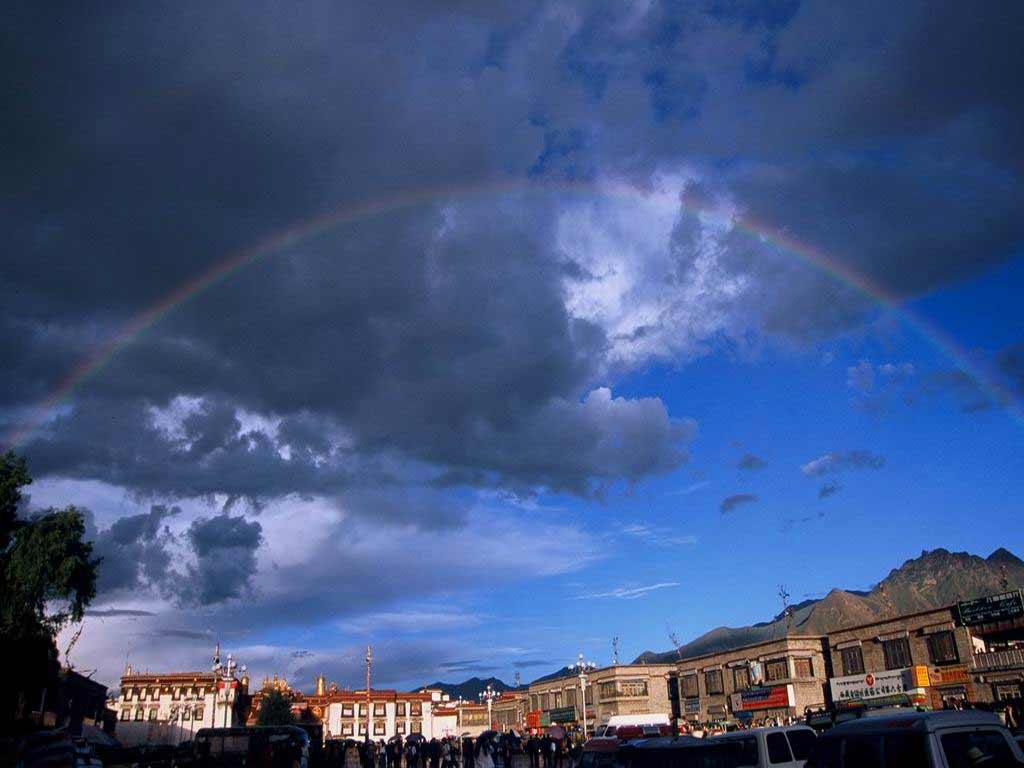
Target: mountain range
{"type": "Point", "coordinates": [934, 579]}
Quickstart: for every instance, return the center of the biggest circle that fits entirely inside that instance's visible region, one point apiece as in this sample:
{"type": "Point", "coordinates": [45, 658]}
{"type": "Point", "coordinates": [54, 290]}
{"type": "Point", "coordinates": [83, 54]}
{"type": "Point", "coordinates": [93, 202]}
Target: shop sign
{"type": "Point", "coordinates": [533, 719]}
{"type": "Point", "coordinates": [545, 719]}
{"type": "Point", "coordinates": [919, 676]}
{"type": "Point", "coordinates": [777, 697]}
{"type": "Point", "coordinates": [692, 706]}
{"type": "Point", "coordinates": [896, 700]}
{"type": "Point", "coordinates": [869, 686]}
{"type": "Point", "coordinates": [562, 715]}
{"type": "Point", "coordinates": [1002, 607]}
{"type": "Point", "coordinates": [944, 675]}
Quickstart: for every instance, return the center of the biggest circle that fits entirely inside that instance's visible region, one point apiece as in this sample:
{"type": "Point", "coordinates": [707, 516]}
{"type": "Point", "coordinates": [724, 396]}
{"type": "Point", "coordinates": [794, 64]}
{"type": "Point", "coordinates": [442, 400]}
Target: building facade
{"type": "Point", "coordinates": [774, 679]}
{"type": "Point", "coordinates": [622, 689]}
{"type": "Point", "coordinates": [509, 710]}
{"type": "Point", "coordinates": [168, 708]}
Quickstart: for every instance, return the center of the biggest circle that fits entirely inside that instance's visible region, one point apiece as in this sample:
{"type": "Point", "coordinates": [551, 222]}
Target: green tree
{"type": "Point", "coordinates": [47, 578]}
{"type": "Point", "coordinates": [275, 709]}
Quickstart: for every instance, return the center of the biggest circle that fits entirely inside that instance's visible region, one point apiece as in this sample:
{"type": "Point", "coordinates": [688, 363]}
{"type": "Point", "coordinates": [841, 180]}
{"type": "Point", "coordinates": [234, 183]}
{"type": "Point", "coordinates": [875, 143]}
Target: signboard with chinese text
{"type": "Point", "coordinates": [984, 610]}
{"type": "Point", "coordinates": [869, 686]}
{"type": "Point", "coordinates": [562, 715]}
{"type": "Point", "coordinates": [692, 706]}
{"type": "Point", "coordinates": [776, 697]}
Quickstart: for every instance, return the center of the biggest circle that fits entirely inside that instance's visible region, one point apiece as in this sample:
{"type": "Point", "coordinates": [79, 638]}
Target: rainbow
{"type": "Point", "coordinates": [350, 214]}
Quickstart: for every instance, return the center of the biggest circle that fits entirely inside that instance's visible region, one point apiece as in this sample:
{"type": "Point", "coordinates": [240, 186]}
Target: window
{"type": "Point", "coordinates": [155, 695]}
{"type": "Point", "coordinates": [589, 695]}
{"type": "Point", "coordinates": [138, 715]}
{"type": "Point", "coordinates": [853, 660]}
{"type": "Point", "coordinates": [778, 748]}
{"type": "Point", "coordinates": [801, 741]}
{"type": "Point", "coordinates": [713, 681]}
{"type": "Point", "coordinates": [690, 686]}
{"type": "Point", "coordinates": [907, 750]}
{"type": "Point", "coordinates": [981, 747]}
{"type": "Point", "coordinates": [803, 667]}
{"type": "Point", "coordinates": [897, 653]}
{"type": "Point", "coordinates": [740, 678]}
{"type": "Point", "coordinates": [362, 710]}
{"type": "Point", "coordinates": [776, 669]}
{"type": "Point", "coordinates": [416, 727]}
{"type": "Point", "coordinates": [942, 648]}
{"type": "Point", "coordinates": [186, 714]}
{"type": "Point", "coordinates": [401, 727]}
{"type": "Point", "coordinates": [362, 728]}
{"type": "Point", "coordinates": [347, 710]}
{"type": "Point", "coordinates": [346, 729]}
{"type": "Point", "coordinates": [198, 713]}
{"type": "Point", "coordinates": [558, 699]}
{"type": "Point", "coordinates": [378, 710]}
{"type": "Point", "coordinates": [378, 728]}
{"type": "Point", "coordinates": [863, 751]}
{"type": "Point", "coordinates": [746, 751]}
{"type": "Point", "coordinates": [416, 709]}
{"type": "Point", "coordinates": [126, 714]}
{"type": "Point", "coordinates": [545, 700]}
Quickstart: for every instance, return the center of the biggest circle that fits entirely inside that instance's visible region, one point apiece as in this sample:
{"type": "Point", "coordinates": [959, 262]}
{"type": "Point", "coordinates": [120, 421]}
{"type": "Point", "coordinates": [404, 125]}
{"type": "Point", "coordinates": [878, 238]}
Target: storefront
{"type": "Point", "coordinates": [893, 687]}
{"type": "Point", "coordinates": [763, 702]}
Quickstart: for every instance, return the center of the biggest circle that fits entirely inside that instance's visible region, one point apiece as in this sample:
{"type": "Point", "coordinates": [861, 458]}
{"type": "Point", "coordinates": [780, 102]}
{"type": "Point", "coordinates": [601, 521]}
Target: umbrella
{"type": "Point", "coordinates": [556, 732]}
{"type": "Point", "coordinates": [415, 737]}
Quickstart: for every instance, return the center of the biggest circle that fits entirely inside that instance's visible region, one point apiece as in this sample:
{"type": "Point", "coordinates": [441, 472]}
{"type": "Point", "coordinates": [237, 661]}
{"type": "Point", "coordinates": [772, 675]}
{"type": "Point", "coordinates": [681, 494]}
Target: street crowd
{"type": "Point", "coordinates": [490, 750]}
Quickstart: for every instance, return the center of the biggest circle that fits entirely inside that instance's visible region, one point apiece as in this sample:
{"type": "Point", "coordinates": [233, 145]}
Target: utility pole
{"type": "Point", "coordinates": [369, 666]}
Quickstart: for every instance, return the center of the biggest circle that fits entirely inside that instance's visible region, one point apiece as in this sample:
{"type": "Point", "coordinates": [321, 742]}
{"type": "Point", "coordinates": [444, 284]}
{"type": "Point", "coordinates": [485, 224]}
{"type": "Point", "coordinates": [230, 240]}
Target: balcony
{"type": "Point", "coordinates": [994, 660]}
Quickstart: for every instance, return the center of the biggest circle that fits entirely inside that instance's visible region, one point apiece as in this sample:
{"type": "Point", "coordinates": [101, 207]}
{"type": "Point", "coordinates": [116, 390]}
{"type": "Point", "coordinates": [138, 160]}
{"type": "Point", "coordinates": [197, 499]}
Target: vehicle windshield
{"type": "Point", "coordinates": [424, 370]}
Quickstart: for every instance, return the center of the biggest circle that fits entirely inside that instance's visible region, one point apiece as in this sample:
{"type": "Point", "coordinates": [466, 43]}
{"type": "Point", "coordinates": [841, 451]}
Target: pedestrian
{"type": "Point", "coordinates": [467, 753]}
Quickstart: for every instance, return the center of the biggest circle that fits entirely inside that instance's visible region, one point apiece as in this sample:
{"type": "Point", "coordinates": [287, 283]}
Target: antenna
{"type": "Point", "coordinates": [674, 639]}
{"type": "Point", "coordinates": [787, 610]}
{"type": "Point", "coordinates": [74, 639]}
{"type": "Point", "coordinates": [615, 650]}
{"type": "Point", "coordinates": [517, 680]}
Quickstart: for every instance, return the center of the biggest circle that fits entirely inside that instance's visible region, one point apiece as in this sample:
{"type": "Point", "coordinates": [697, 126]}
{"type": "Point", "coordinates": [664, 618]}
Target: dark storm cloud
{"type": "Point", "coordinates": [434, 343]}
{"type": "Point", "coordinates": [134, 551]}
{"type": "Point", "coordinates": [729, 503]}
{"type": "Point", "coordinates": [528, 663]}
{"type": "Point", "coordinates": [225, 549]}
{"type": "Point", "coordinates": [117, 612]}
{"type": "Point", "coordinates": [749, 461]}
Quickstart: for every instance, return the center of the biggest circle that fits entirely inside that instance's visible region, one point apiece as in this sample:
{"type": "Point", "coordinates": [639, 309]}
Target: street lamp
{"type": "Point", "coordinates": [488, 695]}
{"type": "Point", "coordinates": [226, 673]}
{"type": "Point", "coordinates": [581, 667]}
{"type": "Point", "coordinates": [461, 702]}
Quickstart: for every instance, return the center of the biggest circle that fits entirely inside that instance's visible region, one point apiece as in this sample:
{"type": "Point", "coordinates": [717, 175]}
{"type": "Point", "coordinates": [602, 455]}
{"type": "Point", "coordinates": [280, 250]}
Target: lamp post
{"type": "Point", "coordinates": [461, 702]}
{"type": "Point", "coordinates": [488, 695]}
{"type": "Point", "coordinates": [581, 668]}
{"type": "Point", "coordinates": [226, 673]}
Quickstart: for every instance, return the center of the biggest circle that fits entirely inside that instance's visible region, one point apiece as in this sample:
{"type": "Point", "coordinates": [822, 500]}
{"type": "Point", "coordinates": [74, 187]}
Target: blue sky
{"type": "Point", "coordinates": [570, 385]}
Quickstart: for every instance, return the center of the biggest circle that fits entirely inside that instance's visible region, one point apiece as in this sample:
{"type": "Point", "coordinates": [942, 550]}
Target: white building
{"type": "Point", "coordinates": [168, 708]}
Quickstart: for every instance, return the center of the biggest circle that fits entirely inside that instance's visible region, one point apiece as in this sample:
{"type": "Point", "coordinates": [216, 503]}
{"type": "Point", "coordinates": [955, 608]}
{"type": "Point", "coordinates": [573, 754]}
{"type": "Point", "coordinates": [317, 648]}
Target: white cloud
{"type": "Point", "coordinates": [628, 593]}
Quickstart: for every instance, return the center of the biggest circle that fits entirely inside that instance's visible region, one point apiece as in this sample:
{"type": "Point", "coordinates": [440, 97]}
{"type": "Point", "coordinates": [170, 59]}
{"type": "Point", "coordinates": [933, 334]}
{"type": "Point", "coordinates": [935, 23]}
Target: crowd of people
{"type": "Point", "coordinates": [490, 750]}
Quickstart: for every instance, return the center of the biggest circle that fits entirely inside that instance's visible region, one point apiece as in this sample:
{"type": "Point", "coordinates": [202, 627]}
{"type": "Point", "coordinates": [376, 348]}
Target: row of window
{"type": "Point", "coordinates": [150, 714]}
{"type": "Point", "coordinates": [896, 653]}
{"type": "Point", "coordinates": [554, 699]}
{"type": "Point", "coordinates": [774, 670]}
{"type": "Point", "coordinates": [153, 694]}
{"type": "Point", "coordinates": [623, 689]}
{"type": "Point", "coordinates": [415, 709]}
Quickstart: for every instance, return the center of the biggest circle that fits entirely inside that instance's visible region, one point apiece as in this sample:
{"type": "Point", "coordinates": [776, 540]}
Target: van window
{"type": "Point", "coordinates": [778, 748]}
{"type": "Point", "coordinates": [974, 748]}
{"type": "Point", "coordinates": [906, 750]}
{"type": "Point", "coordinates": [863, 751]}
{"type": "Point", "coordinates": [801, 742]}
{"type": "Point", "coordinates": [746, 751]}
{"type": "Point", "coordinates": [826, 754]}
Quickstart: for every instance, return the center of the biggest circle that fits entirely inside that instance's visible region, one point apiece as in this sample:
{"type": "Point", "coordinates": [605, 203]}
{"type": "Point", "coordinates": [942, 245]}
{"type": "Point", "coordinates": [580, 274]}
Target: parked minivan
{"type": "Point", "coordinates": [947, 739]}
{"type": "Point", "coordinates": [775, 747]}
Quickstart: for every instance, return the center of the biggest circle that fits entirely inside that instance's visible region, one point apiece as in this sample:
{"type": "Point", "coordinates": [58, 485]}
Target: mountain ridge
{"type": "Point", "coordinates": [934, 579]}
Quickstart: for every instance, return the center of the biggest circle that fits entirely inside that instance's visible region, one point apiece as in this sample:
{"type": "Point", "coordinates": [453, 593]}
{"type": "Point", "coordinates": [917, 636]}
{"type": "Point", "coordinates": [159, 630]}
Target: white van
{"type": "Point", "coordinates": [786, 746]}
{"type": "Point", "coordinates": [655, 720]}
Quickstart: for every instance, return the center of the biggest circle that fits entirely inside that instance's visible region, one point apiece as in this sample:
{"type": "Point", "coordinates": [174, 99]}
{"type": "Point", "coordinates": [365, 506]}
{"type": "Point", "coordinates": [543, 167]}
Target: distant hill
{"type": "Point", "coordinates": [470, 689]}
{"type": "Point", "coordinates": [934, 579]}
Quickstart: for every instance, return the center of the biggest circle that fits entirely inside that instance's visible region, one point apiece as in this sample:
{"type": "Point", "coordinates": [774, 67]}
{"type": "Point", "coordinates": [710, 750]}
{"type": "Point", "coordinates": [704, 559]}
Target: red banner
{"type": "Point", "coordinates": [763, 698]}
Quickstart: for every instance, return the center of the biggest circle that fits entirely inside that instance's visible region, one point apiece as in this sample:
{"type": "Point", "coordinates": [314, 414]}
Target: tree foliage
{"type": "Point", "coordinates": [47, 578]}
{"type": "Point", "coordinates": [275, 709]}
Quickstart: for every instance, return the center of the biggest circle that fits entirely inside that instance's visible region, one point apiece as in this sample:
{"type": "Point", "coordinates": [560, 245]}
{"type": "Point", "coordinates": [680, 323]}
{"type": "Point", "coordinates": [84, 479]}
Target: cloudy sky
{"type": "Point", "coordinates": [487, 332]}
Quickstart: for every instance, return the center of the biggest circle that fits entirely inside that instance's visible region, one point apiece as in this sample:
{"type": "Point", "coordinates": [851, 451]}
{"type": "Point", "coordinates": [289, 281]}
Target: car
{"type": "Point", "coordinates": [782, 746]}
{"type": "Point", "coordinates": [678, 752]}
{"type": "Point", "coordinates": [947, 739]}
